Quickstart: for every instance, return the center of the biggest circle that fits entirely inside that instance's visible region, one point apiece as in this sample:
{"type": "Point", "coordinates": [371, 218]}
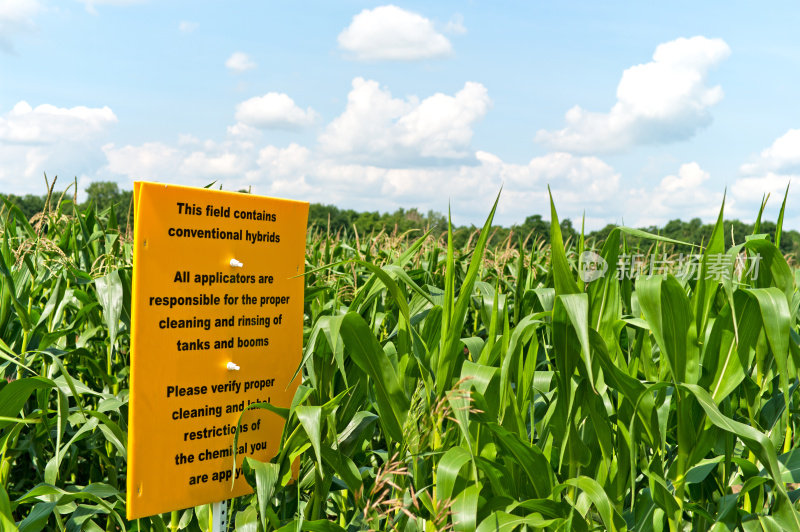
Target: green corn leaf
{"type": "Point", "coordinates": [505, 522]}
{"type": "Point", "coordinates": [724, 355]}
{"type": "Point", "coordinates": [775, 317]}
{"type": "Point", "coordinates": [576, 309]}
{"type": "Point", "coordinates": [109, 294]}
{"type": "Point", "coordinates": [533, 463]}
{"type": "Point", "coordinates": [772, 267]}
{"type": "Point", "coordinates": [756, 441]}
{"type": "Point", "coordinates": [706, 287]}
{"type": "Point", "coordinates": [356, 430]}
{"type": "Point", "coordinates": [465, 509]}
{"type": "Point", "coordinates": [448, 470]}
{"type": "Point", "coordinates": [668, 312]}
{"type": "Point", "coordinates": [757, 224]}
{"type": "Point", "coordinates": [16, 393]}
{"type": "Point", "coordinates": [370, 357]}
{"type": "Point", "coordinates": [344, 467]}
{"type": "Point", "coordinates": [562, 274]}
{"type": "Point", "coordinates": [521, 336]}
{"type": "Point", "coordinates": [247, 520]}
{"type": "Point", "coordinates": [611, 519]}
{"type": "Point", "coordinates": [10, 287]}
{"type": "Point", "coordinates": [311, 419]}
{"type": "Point", "coordinates": [779, 224]}
{"type": "Point", "coordinates": [453, 319]}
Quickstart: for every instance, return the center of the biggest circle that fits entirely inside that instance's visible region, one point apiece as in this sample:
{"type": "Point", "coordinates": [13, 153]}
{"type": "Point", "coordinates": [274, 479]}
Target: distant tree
{"type": "Point", "coordinates": [28, 204]}
{"type": "Point", "coordinates": [106, 194]}
{"type": "Point", "coordinates": [538, 228]}
{"type": "Point", "coordinates": [103, 194]}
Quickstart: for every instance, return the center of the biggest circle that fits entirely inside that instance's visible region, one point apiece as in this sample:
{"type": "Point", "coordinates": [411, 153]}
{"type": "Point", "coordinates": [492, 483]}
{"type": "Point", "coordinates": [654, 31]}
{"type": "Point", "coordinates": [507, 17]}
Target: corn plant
{"type": "Point", "coordinates": [483, 387]}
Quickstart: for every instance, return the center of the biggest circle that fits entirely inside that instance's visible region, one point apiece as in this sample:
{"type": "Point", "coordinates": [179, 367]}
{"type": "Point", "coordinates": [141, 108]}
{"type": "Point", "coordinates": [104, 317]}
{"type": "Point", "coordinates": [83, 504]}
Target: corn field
{"type": "Point", "coordinates": [484, 388]}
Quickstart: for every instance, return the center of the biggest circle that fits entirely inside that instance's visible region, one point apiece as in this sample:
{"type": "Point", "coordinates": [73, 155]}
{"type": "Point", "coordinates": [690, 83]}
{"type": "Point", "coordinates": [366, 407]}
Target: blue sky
{"type": "Point", "coordinates": [635, 113]}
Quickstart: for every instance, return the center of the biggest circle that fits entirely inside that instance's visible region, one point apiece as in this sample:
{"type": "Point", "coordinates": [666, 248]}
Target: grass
{"type": "Point", "coordinates": [443, 388]}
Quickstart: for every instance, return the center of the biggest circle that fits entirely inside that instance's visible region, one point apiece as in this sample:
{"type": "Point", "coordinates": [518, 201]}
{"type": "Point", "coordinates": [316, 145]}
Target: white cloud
{"type": "Point", "coordinates": [380, 129]}
{"type": "Point", "coordinates": [50, 139]}
{"type": "Point", "coordinates": [16, 16]}
{"type": "Point", "coordinates": [377, 128]}
{"type": "Point", "coordinates": [284, 162]}
{"type": "Point", "coordinates": [18, 10]}
{"type": "Point", "coordinates": [240, 62]}
{"type": "Point", "coordinates": [391, 33]}
{"type": "Point", "coordinates": [190, 161]}
{"type": "Point", "coordinates": [770, 172]}
{"type": "Point", "coordinates": [577, 183]}
{"type": "Point", "coordinates": [296, 171]}
{"type": "Point", "coordinates": [186, 26]}
{"type": "Point", "coordinates": [383, 153]}
{"type": "Point", "coordinates": [274, 110]}
{"type": "Point", "coordinates": [661, 101]}
{"type": "Point", "coordinates": [49, 124]}
{"type": "Point", "coordinates": [749, 191]}
{"type": "Point", "coordinates": [783, 156]}
{"type": "Point", "coordinates": [223, 165]}
{"type": "Point", "coordinates": [690, 177]}
{"type": "Point", "coordinates": [150, 161]}
{"type": "Point", "coordinates": [681, 195]}
{"type": "Point", "coordinates": [241, 130]}
{"type": "Point", "coordinates": [752, 189]}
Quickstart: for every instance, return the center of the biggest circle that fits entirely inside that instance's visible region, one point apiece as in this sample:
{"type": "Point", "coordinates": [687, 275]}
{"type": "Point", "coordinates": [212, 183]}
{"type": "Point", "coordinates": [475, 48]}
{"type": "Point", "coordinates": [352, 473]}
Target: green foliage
{"type": "Point", "coordinates": [446, 384]}
{"type": "Point", "coordinates": [349, 223]}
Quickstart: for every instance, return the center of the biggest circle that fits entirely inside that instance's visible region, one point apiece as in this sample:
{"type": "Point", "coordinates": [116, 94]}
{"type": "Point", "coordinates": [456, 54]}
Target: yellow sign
{"type": "Point", "coordinates": [217, 325]}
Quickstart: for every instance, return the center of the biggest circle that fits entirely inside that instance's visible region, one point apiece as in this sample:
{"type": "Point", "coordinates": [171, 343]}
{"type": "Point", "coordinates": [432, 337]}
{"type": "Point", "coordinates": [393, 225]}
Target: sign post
{"type": "Point", "coordinates": [216, 326]}
{"type": "Point", "coordinates": [219, 516]}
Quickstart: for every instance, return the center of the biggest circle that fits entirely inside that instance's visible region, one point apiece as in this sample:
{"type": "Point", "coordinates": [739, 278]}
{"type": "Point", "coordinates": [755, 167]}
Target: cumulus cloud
{"type": "Point", "coordinates": [783, 156]}
{"type": "Point", "coordinates": [284, 162]}
{"type": "Point", "coordinates": [16, 16]}
{"type": "Point", "coordinates": [382, 153]}
{"type": "Point", "coordinates": [391, 33]}
{"type": "Point", "coordinates": [47, 138]}
{"type": "Point", "coordinates": [690, 177]}
{"type": "Point", "coordinates": [378, 128]}
{"type": "Point", "coordinates": [274, 110]}
{"type": "Point", "coordinates": [223, 165]}
{"type": "Point", "coordinates": [191, 161]}
{"type": "Point", "coordinates": [771, 171]}
{"type": "Point", "coordinates": [681, 195]}
{"type": "Point", "coordinates": [150, 161]}
{"type": "Point", "coordinates": [748, 192]}
{"type": "Point", "coordinates": [577, 183]}
{"type": "Point", "coordinates": [240, 62]}
{"type": "Point", "coordinates": [751, 189]}
{"type": "Point", "coordinates": [664, 100]}
{"type": "Point", "coordinates": [48, 124]}
{"type": "Point", "coordinates": [296, 171]}
{"type": "Point", "coordinates": [17, 11]}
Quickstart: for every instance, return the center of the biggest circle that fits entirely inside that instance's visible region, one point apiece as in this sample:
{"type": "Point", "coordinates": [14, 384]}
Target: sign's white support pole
{"type": "Point", "coordinates": [219, 516]}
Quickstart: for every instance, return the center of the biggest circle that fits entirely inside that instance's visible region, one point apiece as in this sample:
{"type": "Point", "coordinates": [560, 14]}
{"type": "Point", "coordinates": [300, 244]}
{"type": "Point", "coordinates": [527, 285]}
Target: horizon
{"type": "Point", "coordinates": [628, 112]}
{"type": "Point", "coordinates": [406, 210]}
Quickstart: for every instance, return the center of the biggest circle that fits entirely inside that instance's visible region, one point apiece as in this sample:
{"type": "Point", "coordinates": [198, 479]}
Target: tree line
{"type": "Point", "coordinates": [332, 220]}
